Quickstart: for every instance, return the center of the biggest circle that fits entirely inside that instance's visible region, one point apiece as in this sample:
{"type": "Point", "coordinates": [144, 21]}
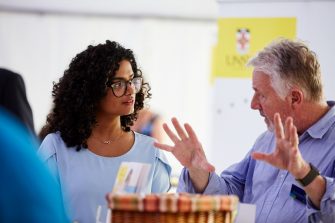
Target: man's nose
{"type": "Point", "coordinates": [254, 103]}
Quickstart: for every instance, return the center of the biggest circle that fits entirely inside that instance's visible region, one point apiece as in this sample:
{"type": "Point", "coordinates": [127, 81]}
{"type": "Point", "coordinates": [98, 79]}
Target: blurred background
{"type": "Point", "coordinates": [177, 44]}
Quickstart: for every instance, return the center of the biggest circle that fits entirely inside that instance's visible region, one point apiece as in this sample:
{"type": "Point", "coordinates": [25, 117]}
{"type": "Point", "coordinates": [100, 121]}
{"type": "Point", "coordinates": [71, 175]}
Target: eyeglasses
{"type": "Point", "coordinates": [119, 86]}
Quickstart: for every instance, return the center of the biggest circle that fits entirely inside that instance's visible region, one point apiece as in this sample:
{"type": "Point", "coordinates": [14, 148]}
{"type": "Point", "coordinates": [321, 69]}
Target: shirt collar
{"type": "Point", "coordinates": [322, 126]}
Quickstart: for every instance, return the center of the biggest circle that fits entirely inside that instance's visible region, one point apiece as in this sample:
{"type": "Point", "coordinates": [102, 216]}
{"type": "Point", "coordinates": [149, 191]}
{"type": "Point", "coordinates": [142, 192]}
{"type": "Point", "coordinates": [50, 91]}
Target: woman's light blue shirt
{"type": "Point", "coordinates": [85, 178]}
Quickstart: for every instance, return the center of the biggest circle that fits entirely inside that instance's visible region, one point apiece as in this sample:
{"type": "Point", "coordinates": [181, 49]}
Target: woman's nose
{"type": "Point", "coordinates": [130, 87]}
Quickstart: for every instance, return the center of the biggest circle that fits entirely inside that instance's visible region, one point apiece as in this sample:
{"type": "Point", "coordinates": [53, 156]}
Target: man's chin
{"type": "Point", "coordinates": [269, 126]}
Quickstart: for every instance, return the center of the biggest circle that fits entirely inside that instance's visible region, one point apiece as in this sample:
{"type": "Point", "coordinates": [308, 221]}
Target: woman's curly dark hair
{"type": "Point", "coordinates": [77, 94]}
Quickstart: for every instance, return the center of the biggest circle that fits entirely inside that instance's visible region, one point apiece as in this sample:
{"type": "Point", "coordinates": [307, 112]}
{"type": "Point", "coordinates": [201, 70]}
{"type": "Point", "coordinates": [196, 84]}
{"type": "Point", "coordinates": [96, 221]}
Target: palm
{"type": "Point", "coordinates": [187, 149]}
{"type": "Point", "coordinates": [286, 155]}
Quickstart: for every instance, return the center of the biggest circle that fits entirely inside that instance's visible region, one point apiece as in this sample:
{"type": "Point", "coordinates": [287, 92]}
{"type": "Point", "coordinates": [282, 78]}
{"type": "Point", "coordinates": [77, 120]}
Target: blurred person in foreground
{"type": "Point", "coordinates": [14, 99]}
{"type": "Point", "coordinates": [87, 135]}
{"type": "Point", "coordinates": [289, 172]}
{"type": "Point", "coordinates": [28, 192]}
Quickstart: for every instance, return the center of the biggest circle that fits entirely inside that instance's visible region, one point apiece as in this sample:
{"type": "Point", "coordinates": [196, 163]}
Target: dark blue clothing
{"type": "Point", "coordinates": [28, 192]}
{"type": "Point", "coordinates": [14, 99]}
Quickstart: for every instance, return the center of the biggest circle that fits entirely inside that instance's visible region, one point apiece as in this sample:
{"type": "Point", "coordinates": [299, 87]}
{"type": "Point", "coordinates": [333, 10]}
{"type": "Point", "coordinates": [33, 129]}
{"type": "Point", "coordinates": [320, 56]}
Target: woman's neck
{"type": "Point", "coordinates": [107, 127]}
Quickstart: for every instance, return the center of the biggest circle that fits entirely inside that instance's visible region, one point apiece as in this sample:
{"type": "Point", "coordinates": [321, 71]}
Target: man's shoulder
{"type": "Point", "coordinates": [265, 136]}
{"type": "Point", "coordinates": [264, 141]}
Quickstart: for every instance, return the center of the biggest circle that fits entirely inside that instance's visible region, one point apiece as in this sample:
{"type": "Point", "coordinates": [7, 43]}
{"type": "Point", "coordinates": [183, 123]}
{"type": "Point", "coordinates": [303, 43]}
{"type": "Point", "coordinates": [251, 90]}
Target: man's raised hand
{"type": "Point", "coordinates": [187, 149]}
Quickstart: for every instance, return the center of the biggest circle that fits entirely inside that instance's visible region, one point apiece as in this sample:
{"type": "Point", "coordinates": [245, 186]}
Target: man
{"type": "Point", "coordinates": [280, 175]}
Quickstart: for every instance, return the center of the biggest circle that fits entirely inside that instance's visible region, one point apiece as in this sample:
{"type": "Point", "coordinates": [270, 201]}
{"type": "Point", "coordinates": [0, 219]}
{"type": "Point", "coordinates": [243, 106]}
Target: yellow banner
{"type": "Point", "coordinates": [241, 38]}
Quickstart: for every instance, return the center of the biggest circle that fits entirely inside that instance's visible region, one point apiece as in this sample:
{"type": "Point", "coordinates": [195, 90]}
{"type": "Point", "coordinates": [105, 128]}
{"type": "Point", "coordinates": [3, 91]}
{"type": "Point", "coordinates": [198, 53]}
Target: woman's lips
{"type": "Point", "coordinates": [128, 102]}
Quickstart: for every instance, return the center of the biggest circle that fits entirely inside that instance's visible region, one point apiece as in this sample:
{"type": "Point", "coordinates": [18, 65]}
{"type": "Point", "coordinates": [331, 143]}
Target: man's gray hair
{"type": "Point", "coordinates": [290, 63]}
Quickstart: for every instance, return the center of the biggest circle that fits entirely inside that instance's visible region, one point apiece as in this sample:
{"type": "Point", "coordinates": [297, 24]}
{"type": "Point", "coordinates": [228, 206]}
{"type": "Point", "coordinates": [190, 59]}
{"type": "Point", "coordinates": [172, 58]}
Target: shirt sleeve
{"type": "Point", "coordinates": [231, 181]}
{"type": "Point", "coordinates": [162, 172]}
{"type": "Point", "coordinates": [47, 152]}
{"type": "Point", "coordinates": [327, 210]}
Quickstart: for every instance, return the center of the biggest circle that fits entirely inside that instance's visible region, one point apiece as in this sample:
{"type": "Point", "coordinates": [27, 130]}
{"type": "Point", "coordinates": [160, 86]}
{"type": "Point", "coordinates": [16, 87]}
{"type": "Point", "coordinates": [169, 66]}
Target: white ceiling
{"type": "Point", "coordinates": [179, 9]}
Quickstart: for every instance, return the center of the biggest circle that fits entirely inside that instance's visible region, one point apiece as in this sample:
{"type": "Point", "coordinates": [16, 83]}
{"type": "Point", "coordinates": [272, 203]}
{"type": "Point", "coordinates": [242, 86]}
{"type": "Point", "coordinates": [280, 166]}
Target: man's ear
{"type": "Point", "coordinates": [297, 97]}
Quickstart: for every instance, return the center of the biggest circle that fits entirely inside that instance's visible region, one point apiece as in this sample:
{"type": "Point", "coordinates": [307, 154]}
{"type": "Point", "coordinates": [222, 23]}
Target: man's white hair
{"type": "Point", "coordinates": [290, 63]}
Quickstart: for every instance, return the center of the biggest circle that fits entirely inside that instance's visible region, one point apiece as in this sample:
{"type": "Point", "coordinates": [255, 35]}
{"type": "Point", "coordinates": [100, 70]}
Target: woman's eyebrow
{"type": "Point", "coordinates": [122, 78]}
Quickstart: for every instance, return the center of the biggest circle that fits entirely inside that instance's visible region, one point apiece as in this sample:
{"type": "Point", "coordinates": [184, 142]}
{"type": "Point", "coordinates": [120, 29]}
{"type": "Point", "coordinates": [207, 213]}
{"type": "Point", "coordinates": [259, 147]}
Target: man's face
{"type": "Point", "coordinates": [266, 100]}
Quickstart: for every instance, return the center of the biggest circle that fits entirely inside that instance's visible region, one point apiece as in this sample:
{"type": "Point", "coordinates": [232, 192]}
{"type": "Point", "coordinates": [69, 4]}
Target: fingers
{"type": "Point", "coordinates": [172, 136]}
{"type": "Point", "coordinates": [163, 146]}
{"type": "Point", "coordinates": [179, 129]}
{"type": "Point", "coordinates": [261, 156]}
{"type": "Point", "coordinates": [291, 132]}
{"type": "Point", "coordinates": [191, 133]}
{"type": "Point", "coordinates": [279, 131]}
{"type": "Point", "coordinates": [294, 136]}
{"type": "Point", "coordinates": [288, 123]}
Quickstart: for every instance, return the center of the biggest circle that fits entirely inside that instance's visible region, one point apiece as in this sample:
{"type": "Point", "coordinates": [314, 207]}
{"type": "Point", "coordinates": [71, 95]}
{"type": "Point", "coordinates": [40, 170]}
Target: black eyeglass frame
{"type": "Point", "coordinates": [132, 81]}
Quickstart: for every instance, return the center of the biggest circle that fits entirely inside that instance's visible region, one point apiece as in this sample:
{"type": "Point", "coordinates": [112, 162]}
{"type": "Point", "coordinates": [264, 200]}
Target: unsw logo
{"type": "Point", "coordinates": [242, 40]}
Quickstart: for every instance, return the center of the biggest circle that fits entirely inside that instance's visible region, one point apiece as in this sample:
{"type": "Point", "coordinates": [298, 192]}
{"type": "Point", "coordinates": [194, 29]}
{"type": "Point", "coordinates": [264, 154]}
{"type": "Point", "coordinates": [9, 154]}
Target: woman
{"type": "Point", "coordinates": [88, 135]}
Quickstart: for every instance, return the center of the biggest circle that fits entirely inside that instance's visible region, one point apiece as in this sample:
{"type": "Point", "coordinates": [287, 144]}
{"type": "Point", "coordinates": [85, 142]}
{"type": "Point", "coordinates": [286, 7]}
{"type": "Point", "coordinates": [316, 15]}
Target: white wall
{"type": "Point", "coordinates": [174, 53]}
{"type": "Point", "coordinates": [191, 9]}
{"type": "Point", "coordinates": [236, 126]}
{"type": "Point", "coordinates": [172, 42]}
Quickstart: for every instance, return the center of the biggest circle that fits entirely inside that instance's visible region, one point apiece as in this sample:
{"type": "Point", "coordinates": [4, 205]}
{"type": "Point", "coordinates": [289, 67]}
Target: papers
{"type": "Point", "coordinates": [132, 177]}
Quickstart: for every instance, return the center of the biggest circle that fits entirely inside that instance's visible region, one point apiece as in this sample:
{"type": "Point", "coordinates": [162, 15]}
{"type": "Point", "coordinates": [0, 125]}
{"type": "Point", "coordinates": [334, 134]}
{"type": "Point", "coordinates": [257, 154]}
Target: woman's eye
{"type": "Point", "coordinates": [117, 85]}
